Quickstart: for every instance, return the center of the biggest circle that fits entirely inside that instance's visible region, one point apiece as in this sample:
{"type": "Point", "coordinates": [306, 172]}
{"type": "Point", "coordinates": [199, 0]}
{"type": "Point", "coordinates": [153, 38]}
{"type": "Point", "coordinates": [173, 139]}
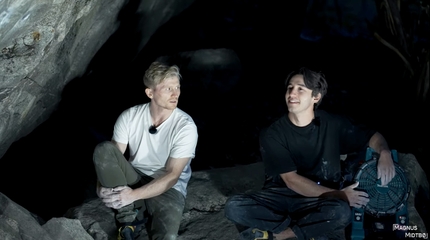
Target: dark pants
{"type": "Point", "coordinates": [164, 211]}
{"type": "Point", "coordinates": [276, 209]}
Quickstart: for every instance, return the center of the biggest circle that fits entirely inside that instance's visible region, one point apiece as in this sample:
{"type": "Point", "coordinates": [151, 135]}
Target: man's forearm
{"type": "Point", "coordinates": [305, 186]}
{"type": "Point", "coordinates": [156, 187]}
{"type": "Point", "coordinates": [378, 143]}
{"type": "Point", "coordinates": [386, 169]}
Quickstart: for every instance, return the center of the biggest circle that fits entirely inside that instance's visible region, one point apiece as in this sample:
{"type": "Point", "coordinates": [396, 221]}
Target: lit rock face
{"type": "Point", "coordinates": [44, 44]}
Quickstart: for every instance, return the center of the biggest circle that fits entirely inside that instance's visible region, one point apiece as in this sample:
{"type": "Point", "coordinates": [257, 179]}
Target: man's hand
{"type": "Point", "coordinates": [386, 169]}
{"type": "Point", "coordinates": [356, 198]}
{"type": "Point", "coordinates": [103, 192]}
{"type": "Point", "coordinates": [116, 197]}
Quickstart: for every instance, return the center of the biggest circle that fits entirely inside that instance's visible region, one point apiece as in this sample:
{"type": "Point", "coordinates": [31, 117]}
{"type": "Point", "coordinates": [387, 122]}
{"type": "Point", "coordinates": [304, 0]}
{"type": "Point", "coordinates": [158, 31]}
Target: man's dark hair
{"type": "Point", "coordinates": [315, 81]}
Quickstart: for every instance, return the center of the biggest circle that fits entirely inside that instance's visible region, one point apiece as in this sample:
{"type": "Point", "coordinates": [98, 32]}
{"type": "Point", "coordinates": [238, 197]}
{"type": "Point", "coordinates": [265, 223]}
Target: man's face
{"type": "Point", "coordinates": [166, 94]}
{"type": "Point", "coordinates": [298, 97]}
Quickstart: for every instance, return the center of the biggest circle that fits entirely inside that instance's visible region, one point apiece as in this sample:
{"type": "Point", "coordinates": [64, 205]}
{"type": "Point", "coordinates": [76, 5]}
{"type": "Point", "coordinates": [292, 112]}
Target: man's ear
{"type": "Point", "coordinates": [317, 98]}
{"type": "Point", "coordinates": [148, 92]}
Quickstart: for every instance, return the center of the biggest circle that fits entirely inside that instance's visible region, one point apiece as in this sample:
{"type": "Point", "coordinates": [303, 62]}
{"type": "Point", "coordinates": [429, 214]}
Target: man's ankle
{"type": "Point", "coordinates": [286, 234]}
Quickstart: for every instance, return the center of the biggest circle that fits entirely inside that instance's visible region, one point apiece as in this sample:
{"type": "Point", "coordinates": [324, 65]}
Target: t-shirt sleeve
{"type": "Point", "coordinates": [121, 128]}
{"type": "Point", "coordinates": [185, 142]}
{"type": "Point", "coordinates": [354, 136]}
{"type": "Point", "coordinates": [276, 156]}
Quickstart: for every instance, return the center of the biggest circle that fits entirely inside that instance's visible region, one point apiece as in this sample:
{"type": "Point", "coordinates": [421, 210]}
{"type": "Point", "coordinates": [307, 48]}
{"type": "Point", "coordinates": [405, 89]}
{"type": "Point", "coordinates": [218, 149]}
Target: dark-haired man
{"type": "Point", "coordinates": [302, 197]}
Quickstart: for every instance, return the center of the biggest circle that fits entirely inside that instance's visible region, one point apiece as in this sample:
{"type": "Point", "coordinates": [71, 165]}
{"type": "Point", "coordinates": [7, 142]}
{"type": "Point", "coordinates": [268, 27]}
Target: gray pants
{"type": "Point", "coordinates": [164, 212]}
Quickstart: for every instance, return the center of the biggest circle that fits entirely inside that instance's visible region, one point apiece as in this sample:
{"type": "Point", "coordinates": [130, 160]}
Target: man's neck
{"type": "Point", "coordinates": [301, 119]}
{"type": "Point", "coordinates": [158, 115]}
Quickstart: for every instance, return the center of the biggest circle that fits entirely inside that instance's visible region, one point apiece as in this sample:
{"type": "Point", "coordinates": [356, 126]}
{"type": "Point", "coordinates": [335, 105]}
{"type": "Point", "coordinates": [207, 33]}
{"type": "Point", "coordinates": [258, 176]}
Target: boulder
{"type": "Point", "coordinates": [45, 44]}
{"type": "Point", "coordinates": [203, 216]}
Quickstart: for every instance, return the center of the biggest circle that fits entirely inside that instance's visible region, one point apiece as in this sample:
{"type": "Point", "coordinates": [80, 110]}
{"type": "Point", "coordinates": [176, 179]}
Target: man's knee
{"type": "Point", "coordinates": [342, 213]}
{"type": "Point", "coordinates": [103, 146]}
{"type": "Point", "coordinates": [102, 149]}
{"type": "Point", "coordinates": [232, 207]}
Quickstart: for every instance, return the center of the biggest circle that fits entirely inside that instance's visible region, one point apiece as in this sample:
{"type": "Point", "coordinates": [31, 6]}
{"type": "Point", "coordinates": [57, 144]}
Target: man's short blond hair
{"type": "Point", "coordinates": [158, 72]}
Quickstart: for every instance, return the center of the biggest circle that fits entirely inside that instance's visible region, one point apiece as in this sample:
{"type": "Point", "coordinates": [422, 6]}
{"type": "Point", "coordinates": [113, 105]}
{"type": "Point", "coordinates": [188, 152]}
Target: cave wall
{"type": "Point", "coordinates": [45, 44]}
{"type": "Point", "coordinates": [61, 95]}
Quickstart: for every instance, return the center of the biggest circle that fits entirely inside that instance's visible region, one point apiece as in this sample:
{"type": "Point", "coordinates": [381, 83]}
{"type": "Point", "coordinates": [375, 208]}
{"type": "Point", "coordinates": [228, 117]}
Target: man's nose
{"type": "Point", "coordinates": [176, 92]}
{"type": "Point", "coordinates": [292, 92]}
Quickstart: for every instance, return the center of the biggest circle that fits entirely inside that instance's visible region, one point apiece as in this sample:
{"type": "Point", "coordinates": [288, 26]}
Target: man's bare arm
{"type": "Point", "coordinates": [121, 146]}
{"type": "Point", "coordinates": [124, 195]}
{"type": "Point", "coordinates": [386, 169]}
{"type": "Point", "coordinates": [378, 143]}
{"type": "Point", "coordinates": [309, 188]}
{"type": "Point", "coordinates": [303, 185]}
{"type": "Point", "coordinates": [159, 185]}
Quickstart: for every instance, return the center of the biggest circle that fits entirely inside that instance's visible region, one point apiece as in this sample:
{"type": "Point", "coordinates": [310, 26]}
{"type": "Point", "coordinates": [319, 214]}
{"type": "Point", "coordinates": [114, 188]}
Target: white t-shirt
{"type": "Point", "coordinates": [176, 137]}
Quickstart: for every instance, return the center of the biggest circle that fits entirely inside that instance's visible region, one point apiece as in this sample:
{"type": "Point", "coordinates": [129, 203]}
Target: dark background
{"type": "Point", "coordinates": [366, 81]}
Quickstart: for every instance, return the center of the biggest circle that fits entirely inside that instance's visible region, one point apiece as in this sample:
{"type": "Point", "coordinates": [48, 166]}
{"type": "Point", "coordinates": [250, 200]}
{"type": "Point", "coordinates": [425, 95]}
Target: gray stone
{"type": "Point", "coordinates": [18, 223]}
{"type": "Point", "coordinates": [417, 179]}
{"type": "Point", "coordinates": [45, 44]}
{"type": "Point", "coordinates": [66, 229]}
{"type": "Point", "coordinates": [208, 191]}
{"type": "Point", "coordinates": [96, 218]}
{"type": "Point", "coordinates": [203, 216]}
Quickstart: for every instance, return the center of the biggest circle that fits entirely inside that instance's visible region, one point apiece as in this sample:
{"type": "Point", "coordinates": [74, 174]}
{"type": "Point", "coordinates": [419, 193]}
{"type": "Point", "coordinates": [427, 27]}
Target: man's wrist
{"type": "Point", "coordinates": [385, 156]}
{"type": "Point", "coordinates": [385, 152]}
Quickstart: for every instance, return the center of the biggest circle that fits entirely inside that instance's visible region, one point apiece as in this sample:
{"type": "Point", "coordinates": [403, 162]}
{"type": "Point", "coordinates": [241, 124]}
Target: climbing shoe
{"type": "Point", "coordinates": [132, 230]}
{"type": "Point", "coordinates": [256, 234]}
{"type": "Point", "coordinates": [126, 233]}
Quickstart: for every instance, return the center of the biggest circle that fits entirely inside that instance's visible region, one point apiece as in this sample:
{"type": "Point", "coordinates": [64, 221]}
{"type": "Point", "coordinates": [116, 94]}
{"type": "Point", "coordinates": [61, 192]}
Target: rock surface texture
{"type": "Point", "coordinates": [203, 216]}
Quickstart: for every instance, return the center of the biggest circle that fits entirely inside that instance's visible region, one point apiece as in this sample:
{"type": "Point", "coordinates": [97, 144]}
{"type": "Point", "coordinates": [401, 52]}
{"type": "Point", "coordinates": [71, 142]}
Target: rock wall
{"type": "Point", "coordinates": [45, 44]}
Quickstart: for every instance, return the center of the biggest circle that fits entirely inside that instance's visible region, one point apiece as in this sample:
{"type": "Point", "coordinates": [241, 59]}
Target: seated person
{"type": "Point", "coordinates": [161, 140]}
{"type": "Point", "coordinates": [302, 197]}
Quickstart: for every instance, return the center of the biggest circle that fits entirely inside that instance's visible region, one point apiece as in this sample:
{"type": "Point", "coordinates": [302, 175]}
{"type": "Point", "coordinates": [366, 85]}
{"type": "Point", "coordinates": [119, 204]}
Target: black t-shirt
{"type": "Point", "coordinates": [314, 150]}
